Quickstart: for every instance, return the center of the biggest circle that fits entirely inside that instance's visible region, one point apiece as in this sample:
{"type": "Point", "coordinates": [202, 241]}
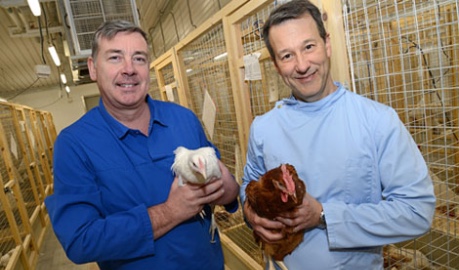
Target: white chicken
{"type": "Point", "coordinates": [197, 167]}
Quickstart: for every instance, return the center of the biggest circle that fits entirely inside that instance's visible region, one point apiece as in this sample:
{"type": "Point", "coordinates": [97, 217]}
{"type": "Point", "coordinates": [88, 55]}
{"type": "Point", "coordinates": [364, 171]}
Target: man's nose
{"type": "Point", "coordinates": [302, 64]}
{"type": "Point", "coordinates": [128, 67]}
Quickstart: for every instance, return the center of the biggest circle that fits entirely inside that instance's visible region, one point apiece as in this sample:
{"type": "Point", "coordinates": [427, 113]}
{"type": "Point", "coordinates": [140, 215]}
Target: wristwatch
{"type": "Point", "coordinates": [322, 223]}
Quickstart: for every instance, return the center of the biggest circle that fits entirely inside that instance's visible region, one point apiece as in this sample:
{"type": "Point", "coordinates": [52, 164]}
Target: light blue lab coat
{"type": "Point", "coordinates": [356, 158]}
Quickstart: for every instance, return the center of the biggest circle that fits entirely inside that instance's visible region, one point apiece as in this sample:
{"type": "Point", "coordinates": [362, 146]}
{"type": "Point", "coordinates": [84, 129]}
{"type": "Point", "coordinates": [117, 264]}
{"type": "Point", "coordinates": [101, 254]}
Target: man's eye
{"type": "Point", "coordinates": [286, 56]}
{"type": "Point", "coordinates": [113, 57]}
{"type": "Point", "coordinates": [140, 59]}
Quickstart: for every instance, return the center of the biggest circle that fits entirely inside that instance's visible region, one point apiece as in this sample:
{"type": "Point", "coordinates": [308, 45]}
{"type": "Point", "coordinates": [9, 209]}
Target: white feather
{"type": "Point", "coordinates": [198, 167]}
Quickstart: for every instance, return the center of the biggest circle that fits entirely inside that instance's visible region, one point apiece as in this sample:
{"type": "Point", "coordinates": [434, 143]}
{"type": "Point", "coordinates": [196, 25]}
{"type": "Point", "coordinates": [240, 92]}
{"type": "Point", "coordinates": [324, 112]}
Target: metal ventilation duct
{"type": "Point", "coordinates": [84, 17]}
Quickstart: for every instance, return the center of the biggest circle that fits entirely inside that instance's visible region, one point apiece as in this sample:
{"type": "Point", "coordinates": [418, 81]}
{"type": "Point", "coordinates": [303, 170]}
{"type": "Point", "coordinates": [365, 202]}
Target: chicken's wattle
{"type": "Point", "coordinates": [284, 197]}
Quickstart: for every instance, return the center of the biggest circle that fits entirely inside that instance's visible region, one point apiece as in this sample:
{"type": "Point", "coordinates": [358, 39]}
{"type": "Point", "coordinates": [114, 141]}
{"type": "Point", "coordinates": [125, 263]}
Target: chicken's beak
{"type": "Point", "coordinates": [202, 169]}
{"type": "Point", "coordinates": [293, 196]}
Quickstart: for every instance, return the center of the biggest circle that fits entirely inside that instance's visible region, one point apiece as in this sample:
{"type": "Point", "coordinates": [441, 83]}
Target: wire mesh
{"type": "Point", "coordinates": [38, 165]}
{"type": "Point", "coordinates": [48, 133]}
{"type": "Point", "coordinates": [235, 228]}
{"type": "Point", "coordinates": [7, 243]}
{"type": "Point", "coordinates": [263, 93]}
{"type": "Point", "coordinates": [207, 72]}
{"type": "Point", "coordinates": [252, 29]}
{"type": "Point", "coordinates": [405, 54]}
{"type": "Point", "coordinates": [43, 137]}
{"type": "Point", "coordinates": [21, 215]}
{"type": "Point", "coordinates": [167, 74]}
{"type": "Point", "coordinates": [28, 158]}
{"type": "Point", "coordinates": [19, 170]}
{"type": "Point", "coordinates": [154, 90]}
{"type": "Point", "coordinates": [10, 206]}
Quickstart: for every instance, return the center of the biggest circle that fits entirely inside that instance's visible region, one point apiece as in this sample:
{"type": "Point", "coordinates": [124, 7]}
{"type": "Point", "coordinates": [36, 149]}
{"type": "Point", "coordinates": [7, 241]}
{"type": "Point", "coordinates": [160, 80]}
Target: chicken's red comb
{"type": "Point", "coordinates": [289, 184]}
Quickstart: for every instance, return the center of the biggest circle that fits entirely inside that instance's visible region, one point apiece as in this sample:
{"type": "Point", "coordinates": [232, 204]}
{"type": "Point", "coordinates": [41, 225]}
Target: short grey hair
{"type": "Point", "coordinates": [109, 29]}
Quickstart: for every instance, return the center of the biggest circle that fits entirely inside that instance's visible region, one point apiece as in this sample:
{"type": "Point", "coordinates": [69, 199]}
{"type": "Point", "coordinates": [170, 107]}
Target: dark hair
{"type": "Point", "coordinates": [109, 29]}
{"type": "Point", "coordinates": [292, 10]}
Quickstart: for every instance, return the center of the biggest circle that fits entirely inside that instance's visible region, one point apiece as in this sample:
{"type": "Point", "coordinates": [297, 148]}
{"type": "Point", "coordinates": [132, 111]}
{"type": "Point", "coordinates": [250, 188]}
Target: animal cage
{"type": "Point", "coordinates": [166, 79]}
{"type": "Point", "coordinates": [401, 53]}
{"type": "Point", "coordinates": [404, 54]}
{"type": "Point", "coordinates": [154, 91]}
{"type": "Point", "coordinates": [208, 76]}
{"type": "Point", "coordinates": [24, 220]}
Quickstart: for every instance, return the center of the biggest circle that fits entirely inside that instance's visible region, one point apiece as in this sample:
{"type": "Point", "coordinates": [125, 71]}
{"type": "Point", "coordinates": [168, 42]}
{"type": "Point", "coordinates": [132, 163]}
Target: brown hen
{"type": "Point", "coordinates": [277, 191]}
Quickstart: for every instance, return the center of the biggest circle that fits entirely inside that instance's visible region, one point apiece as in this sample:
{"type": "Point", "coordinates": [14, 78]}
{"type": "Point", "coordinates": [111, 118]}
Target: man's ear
{"type": "Point", "coordinates": [328, 45]}
{"type": "Point", "coordinates": [92, 69]}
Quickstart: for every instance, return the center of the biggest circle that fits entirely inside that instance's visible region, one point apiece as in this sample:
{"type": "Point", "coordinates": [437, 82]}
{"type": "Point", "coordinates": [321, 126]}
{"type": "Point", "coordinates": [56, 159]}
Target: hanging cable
{"type": "Point", "coordinates": [190, 15]}
{"type": "Point", "coordinates": [431, 75]}
{"type": "Point", "coordinates": [49, 104]}
{"type": "Point", "coordinates": [41, 41]}
{"type": "Point", "coordinates": [21, 92]}
{"type": "Point", "coordinates": [46, 22]}
{"type": "Point", "coordinates": [175, 26]}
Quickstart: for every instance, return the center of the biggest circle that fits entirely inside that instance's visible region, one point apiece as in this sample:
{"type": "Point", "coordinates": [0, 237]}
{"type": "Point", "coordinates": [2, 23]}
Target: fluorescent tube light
{"type": "Point", "coordinates": [34, 6]}
{"type": "Point", "coordinates": [63, 78]}
{"type": "Point", "coordinates": [53, 52]}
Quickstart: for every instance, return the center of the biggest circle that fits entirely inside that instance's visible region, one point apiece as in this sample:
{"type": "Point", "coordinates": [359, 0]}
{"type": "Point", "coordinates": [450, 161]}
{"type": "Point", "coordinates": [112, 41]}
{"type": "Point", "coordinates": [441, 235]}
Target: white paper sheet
{"type": "Point", "coordinates": [252, 67]}
{"type": "Point", "coordinates": [169, 93]}
{"type": "Point", "coordinates": [209, 112]}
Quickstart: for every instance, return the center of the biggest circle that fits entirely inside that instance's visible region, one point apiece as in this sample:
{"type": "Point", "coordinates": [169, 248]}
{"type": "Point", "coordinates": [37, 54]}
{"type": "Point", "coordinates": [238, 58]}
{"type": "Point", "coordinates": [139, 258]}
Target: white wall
{"type": "Point", "coordinates": [65, 110]}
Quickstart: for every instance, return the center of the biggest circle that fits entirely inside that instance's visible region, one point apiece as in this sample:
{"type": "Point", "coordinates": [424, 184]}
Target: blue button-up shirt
{"type": "Point", "coordinates": [107, 175]}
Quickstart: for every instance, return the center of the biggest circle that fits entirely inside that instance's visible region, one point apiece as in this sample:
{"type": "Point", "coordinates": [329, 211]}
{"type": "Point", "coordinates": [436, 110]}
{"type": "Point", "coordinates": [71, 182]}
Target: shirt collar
{"type": "Point", "coordinates": [121, 130]}
{"type": "Point", "coordinates": [157, 116]}
{"type": "Point", "coordinates": [317, 105]}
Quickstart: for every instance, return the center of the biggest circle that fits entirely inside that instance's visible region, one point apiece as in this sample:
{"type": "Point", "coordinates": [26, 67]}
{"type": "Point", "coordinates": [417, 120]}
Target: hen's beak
{"type": "Point", "coordinates": [202, 169]}
{"type": "Point", "coordinates": [293, 196]}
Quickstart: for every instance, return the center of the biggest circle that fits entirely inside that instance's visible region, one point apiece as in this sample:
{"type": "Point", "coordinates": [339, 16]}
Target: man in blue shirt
{"type": "Point", "coordinates": [115, 199]}
{"type": "Point", "coordinates": [367, 183]}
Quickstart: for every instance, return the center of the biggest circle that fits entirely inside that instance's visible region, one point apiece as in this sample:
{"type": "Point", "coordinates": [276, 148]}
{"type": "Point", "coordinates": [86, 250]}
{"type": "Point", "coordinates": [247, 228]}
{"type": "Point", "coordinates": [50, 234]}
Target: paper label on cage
{"type": "Point", "coordinates": [13, 146]}
{"type": "Point", "coordinates": [209, 112]}
{"type": "Point", "coordinates": [252, 67]}
{"type": "Point", "coordinates": [169, 93]}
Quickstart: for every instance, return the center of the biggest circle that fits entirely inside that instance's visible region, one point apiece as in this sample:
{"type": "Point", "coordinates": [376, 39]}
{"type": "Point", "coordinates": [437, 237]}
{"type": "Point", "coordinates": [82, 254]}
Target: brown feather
{"type": "Point", "coordinates": [264, 197]}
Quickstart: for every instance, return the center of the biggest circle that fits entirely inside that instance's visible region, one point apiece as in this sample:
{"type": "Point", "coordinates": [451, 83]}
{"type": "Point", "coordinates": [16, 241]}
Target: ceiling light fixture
{"type": "Point", "coordinates": [53, 52]}
{"type": "Point", "coordinates": [67, 89]}
{"type": "Point", "coordinates": [63, 78]}
{"type": "Point", "coordinates": [34, 6]}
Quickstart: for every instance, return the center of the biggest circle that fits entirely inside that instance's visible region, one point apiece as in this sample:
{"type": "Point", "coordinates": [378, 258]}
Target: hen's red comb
{"type": "Point", "coordinates": [288, 179]}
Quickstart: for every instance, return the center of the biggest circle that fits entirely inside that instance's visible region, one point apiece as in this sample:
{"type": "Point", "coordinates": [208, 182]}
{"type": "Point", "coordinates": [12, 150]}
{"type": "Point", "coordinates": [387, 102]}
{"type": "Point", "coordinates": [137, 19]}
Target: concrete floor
{"type": "Point", "coordinates": [52, 256]}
